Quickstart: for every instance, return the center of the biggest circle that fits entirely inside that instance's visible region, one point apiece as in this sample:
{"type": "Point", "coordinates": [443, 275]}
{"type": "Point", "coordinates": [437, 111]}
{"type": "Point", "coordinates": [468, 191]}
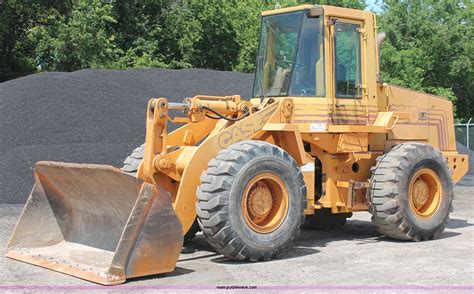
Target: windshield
{"type": "Point", "coordinates": [289, 60]}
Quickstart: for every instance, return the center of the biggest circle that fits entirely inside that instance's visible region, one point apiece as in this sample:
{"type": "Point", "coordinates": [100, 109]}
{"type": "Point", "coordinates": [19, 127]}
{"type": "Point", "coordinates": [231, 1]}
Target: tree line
{"type": "Point", "coordinates": [429, 44]}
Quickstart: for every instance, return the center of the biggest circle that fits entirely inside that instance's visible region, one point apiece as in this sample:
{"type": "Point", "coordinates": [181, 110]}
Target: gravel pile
{"type": "Point", "coordinates": [468, 179]}
{"type": "Point", "coordinates": [464, 150]}
{"type": "Point", "coordinates": [89, 116]}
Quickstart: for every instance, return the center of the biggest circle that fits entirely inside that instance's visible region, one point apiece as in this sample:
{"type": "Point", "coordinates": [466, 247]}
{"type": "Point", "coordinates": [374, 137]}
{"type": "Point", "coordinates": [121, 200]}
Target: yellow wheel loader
{"type": "Point", "coordinates": [322, 138]}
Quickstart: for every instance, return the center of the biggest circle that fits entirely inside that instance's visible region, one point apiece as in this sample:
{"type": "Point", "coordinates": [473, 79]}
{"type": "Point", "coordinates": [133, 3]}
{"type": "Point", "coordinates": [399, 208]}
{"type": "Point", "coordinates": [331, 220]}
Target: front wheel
{"type": "Point", "coordinates": [251, 201]}
{"type": "Point", "coordinates": [411, 192]}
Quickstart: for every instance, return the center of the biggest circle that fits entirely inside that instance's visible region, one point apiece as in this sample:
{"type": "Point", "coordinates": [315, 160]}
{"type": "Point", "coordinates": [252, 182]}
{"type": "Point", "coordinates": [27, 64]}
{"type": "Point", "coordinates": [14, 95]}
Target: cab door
{"type": "Point", "coordinates": [349, 90]}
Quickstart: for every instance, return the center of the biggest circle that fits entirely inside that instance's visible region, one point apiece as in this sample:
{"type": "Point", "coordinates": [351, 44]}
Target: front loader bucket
{"type": "Point", "coordinates": [96, 223]}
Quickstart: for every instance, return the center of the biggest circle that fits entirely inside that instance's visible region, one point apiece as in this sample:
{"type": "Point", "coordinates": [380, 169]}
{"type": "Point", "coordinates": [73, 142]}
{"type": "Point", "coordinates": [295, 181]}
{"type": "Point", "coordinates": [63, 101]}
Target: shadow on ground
{"type": "Point", "coordinates": [178, 271]}
{"type": "Point", "coordinates": [307, 244]}
{"type": "Point", "coordinates": [363, 232]}
{"type": "Point", "coordinates": [458, 223]}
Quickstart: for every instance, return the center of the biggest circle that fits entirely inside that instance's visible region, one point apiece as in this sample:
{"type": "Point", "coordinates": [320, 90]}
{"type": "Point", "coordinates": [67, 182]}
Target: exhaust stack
{"type": "Point", "coordinates": [380, 39]}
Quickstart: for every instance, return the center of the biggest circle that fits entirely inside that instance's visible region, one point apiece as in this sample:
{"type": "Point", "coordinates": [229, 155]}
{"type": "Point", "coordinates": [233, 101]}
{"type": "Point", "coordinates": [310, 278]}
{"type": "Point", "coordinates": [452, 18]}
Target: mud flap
{"type": "Point", "coordinates": [96, 223]}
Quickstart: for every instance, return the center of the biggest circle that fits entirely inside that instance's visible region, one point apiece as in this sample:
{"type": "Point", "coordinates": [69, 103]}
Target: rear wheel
{"type": "Point", "coordinates": [251, 201]}
{"type": "Point", "coordinates": [130, 166]}
{"type": "Point", "coordinates": [411, 192]}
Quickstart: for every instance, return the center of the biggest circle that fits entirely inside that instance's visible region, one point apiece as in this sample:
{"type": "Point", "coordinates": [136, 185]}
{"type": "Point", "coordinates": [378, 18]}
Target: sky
{"type": "Point", "coordinates": [373, 5]}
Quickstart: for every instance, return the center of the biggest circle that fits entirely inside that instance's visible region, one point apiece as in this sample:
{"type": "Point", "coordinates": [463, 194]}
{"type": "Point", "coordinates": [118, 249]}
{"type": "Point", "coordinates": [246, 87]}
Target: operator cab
{"type": "Point", "coordinates": [291, 56]}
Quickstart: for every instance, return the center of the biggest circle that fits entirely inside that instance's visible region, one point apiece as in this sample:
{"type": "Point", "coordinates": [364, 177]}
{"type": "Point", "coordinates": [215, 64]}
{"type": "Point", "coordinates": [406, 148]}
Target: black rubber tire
{"type": "Point", "coordinates": [220, 196]}
{"type": "Point", "coordinates": [323, 219]}
{"type": "Point", "coordinates": [131, 163]}
{"type": "Point", "coordinates": [130, 166]}
{"type": "Point", "coordinates": [390, 207]}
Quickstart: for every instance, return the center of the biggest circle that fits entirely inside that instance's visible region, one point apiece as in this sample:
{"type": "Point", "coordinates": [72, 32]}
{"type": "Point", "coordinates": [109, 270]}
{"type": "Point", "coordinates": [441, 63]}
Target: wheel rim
{"type": "Point", "coordinates": [265, 203]}
{"type": "Point", "coordinates": [425, 193]}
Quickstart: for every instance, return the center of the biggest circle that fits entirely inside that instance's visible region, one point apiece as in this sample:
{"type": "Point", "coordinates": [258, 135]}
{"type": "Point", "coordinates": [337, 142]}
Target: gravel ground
{"type": "Point", "coordinates": [353, 255]}
{"type": "Point", "coordinates": [89, 116]}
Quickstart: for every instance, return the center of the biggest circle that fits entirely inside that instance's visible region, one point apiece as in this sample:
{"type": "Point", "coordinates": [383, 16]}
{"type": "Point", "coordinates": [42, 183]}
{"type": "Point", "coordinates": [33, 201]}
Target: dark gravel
{"type": "Point", "coordinates": [89, 116]}
{"type": "Point", "coordinates": [468, 179]}
{"type": "Point", "coordinates": [464, 150]}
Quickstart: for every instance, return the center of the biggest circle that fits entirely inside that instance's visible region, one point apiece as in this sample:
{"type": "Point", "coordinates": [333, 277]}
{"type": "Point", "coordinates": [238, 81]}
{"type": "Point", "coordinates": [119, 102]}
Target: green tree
{"type": "Point", "coordinates": [79, 39]}
{"type": "Point", "coordinates": [200, 33]}
{"type": "Point", "coordinates": [429, 47]}
{"type": "Point", "coordinates": [74, 34]}
{"type": "Point", "coordinates": [138, 32]}
{"type": "Point", "coordinates": [17, 56]}
{"type": "Point", "coordinates": [14, 45]}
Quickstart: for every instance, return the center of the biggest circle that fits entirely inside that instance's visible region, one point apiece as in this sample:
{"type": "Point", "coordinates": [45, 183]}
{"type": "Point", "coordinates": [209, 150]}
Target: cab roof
{"type": "Point", "coordinates": [328, 10]}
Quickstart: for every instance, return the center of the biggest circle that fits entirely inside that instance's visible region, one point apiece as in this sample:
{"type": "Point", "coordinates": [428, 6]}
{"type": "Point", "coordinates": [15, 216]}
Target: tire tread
{"type": "Point", "coordinates": [211, 208]}
{"type": "Point", "coordinates": [387, 210]}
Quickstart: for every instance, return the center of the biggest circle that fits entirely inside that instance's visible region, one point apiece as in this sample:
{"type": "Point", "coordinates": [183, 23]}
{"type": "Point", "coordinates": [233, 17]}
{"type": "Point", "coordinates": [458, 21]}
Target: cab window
{"type": "Point", "coordinates": [308, 72]}
{"type": "Point", "coordinates": [347, 48]}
